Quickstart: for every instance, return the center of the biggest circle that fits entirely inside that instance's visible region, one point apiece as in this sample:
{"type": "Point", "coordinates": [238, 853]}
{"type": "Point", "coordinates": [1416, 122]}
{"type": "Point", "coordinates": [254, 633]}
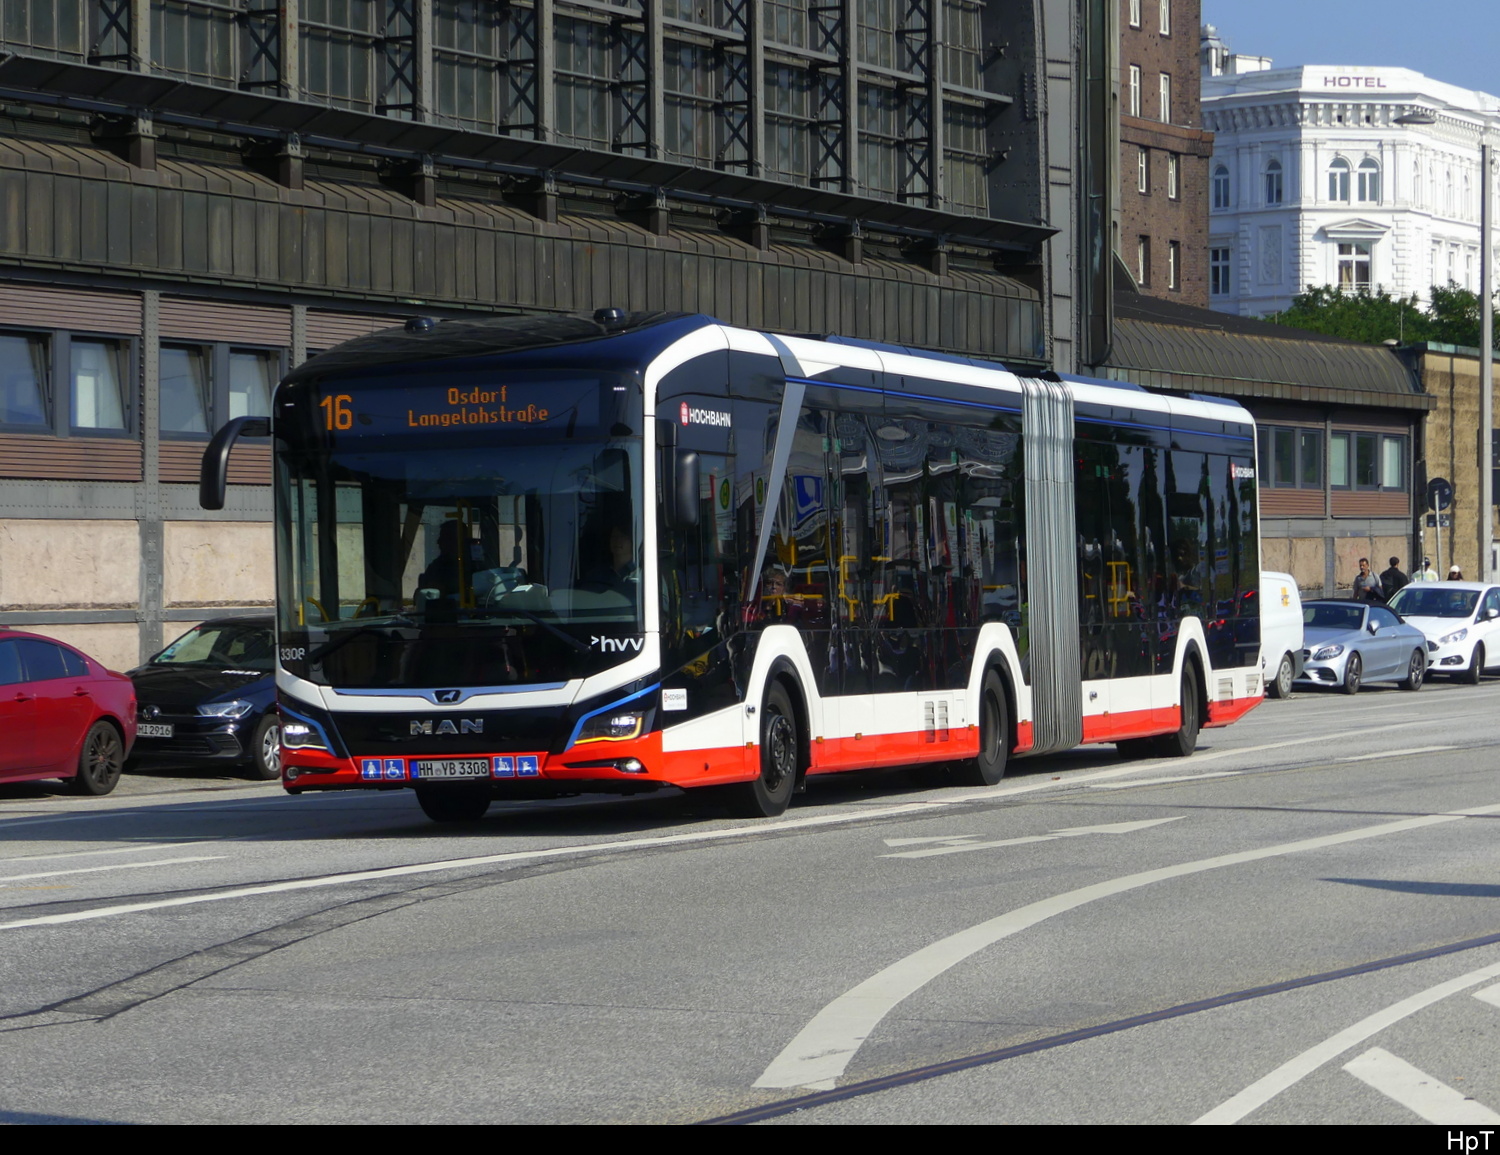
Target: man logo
{"type": "Point", "coordinates": [447, 726]}
{"type": "Point", "coordinates": [447, 695]}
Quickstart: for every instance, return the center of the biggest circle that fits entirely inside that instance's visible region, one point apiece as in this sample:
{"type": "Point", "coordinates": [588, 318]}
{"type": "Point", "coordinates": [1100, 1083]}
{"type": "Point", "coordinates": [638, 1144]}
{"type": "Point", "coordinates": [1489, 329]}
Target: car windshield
{"type": "Point", "coordinates": [1333, 617]}
{"type": "Point", "coordinates": [1434, 602]}
{"type": "Point", "coordinates": [222, 645]}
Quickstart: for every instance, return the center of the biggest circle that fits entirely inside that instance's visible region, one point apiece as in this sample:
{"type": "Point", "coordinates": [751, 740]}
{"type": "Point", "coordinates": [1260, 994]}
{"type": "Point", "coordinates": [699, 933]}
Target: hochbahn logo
{"type": "Point", "coordinates": [691, 416]}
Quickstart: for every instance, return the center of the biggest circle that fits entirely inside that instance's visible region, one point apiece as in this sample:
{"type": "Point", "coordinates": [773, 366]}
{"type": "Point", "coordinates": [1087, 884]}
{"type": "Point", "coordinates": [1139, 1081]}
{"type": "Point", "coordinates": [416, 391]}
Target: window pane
{"type": "Point", "coordinates": [98, 401]}
{"type": "Point", "coordinates": [1393, 457]}
{"type": "Point", "coordinates": [1286, 456]}
{"type": "Point", "coordinates": [1365, 464]}
{"type": "Point", "coordinates": [23, 369]}
{"type": "Point", "coordinates": [184, 391]}
{"type": "Point", "coordinates": [1338, 459]}
{"type": "Point", "coordinates": [252, 376]}
{"type": "Point", "coordinates": [1311, 459]}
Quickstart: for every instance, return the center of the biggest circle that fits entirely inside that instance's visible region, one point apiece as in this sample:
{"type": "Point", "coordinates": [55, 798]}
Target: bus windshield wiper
{"type": "Point", "coordinates": [549, 627]}
{"type": "Point", "coordinates": [348, 636]}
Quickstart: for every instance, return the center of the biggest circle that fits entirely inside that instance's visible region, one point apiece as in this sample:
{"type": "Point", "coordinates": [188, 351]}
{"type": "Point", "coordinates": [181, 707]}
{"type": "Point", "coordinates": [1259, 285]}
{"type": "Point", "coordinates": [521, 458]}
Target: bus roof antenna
{"type": "Point", "coordinates": [610, 316]}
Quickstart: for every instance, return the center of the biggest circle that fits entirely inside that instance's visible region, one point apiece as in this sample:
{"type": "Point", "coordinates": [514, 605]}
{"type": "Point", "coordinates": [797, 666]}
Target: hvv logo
{"type": "Point", "coordinates": [616, 645]}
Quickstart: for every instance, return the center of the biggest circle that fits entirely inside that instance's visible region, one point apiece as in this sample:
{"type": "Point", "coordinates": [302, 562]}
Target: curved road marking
{"type": "Point", "coordinates": [823, 1048]}
{"type": "Point", "coordinates": [1262, 1091]}
{"type": "Point", "coordinates": [1420, 1093]}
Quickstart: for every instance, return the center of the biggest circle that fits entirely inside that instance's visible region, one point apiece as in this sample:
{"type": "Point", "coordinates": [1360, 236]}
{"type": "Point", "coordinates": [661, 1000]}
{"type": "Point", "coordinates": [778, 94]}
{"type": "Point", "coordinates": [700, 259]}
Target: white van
{"type": "Point", "coordinates": [1280, 633]}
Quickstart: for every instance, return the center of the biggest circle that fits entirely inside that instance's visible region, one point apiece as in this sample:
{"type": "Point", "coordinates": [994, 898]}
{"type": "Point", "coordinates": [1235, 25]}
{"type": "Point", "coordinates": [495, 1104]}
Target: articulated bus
{"type": "Point", "coordinates": [531, 556]}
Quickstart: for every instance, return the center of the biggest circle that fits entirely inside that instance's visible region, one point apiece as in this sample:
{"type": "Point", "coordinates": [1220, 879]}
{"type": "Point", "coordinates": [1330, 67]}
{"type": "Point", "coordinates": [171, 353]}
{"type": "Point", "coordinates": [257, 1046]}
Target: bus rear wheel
{"type": "Point", "coordinates": [769, 794]}
{"type": "Point", "coordinates": [994, 736]}
{"type": "Point", "coordinates": [462, 803]}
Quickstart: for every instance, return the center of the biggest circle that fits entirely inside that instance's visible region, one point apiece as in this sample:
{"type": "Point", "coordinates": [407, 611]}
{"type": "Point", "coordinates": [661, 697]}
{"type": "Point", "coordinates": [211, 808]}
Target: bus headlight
{"type": "Point", "coordinates": [612, 726]}
{"type": "Point", "coordinates": [301, 736]}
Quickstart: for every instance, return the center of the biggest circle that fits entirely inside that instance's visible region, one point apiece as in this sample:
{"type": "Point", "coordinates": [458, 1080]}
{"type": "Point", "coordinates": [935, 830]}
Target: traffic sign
{"type": "Point", "coordinates": [1439, 493]}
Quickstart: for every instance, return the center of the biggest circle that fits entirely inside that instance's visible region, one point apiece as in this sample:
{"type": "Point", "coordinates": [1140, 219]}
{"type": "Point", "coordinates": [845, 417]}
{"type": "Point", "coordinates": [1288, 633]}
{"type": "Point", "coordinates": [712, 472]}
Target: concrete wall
{"type": "Point", "coordinates": [54, 564]}
{"type": "Point", "coordinates": [208, 563]}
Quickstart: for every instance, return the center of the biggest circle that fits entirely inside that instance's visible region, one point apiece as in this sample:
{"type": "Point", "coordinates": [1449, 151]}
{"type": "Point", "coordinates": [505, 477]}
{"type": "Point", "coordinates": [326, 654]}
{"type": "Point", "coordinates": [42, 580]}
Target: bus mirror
{"type": "Point", "coordinates": [213, 475]}
{"type": "Point", "coordinates": [685, 488]}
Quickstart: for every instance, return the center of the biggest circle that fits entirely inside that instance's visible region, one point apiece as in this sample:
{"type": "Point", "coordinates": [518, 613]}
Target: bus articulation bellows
{"type": "Point", "coordinates": [530, 556]}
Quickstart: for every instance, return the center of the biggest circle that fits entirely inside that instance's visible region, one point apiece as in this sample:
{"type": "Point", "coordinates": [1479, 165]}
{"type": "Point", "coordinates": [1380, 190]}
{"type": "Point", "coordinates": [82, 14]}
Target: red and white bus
{"type": "Point", "coordinates": [530, 556]}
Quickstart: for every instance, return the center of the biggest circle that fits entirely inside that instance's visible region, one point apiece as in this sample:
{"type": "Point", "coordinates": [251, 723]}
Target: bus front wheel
{"type": "Point", "coordinates": [769, 794]}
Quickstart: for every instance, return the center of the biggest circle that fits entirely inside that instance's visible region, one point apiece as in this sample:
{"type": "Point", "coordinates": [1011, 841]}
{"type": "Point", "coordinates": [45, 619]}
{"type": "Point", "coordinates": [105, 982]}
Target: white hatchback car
{"type": "Point", "coordinates": [1461, 621]}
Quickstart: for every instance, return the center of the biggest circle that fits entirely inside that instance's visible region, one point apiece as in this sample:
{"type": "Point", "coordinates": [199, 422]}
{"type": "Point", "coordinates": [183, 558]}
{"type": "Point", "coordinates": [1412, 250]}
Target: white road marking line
{"type": "Point", "coordinates": [142, 848]}
{"type": "Point", "coordinates": [961, 847]}
{"type": "Point", "coordinates": [112, 866]}
{"type": "Point", "coordinates": [1416, 1090]}
{"type": "Point", "coordinates": [1118, 827]}
{"type": "Point", "coordinates": [1489, 995]}
{"type": "Point", "coordinates": [1263, 1090]}
{"type": "Point", "coordinates": [823, 1048]}
{"type": "Point", "coordinates": [1169, 779]}
{"type": "Point", "coordinates": [920, 841]}
{"type": "Point", "coordinates": [1396, 753]}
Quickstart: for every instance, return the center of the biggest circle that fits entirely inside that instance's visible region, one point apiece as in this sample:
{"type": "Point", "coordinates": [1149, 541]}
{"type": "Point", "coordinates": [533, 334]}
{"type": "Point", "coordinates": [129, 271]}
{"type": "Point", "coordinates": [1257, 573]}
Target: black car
{"type": "Point", "coordinates": [211, 696]}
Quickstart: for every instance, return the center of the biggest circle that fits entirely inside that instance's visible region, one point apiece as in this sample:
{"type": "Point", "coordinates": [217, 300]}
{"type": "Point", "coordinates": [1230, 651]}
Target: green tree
{"type": "Point", "coordinates": [1357, 316]}
{"type": "Point", "coordinates": [1452, 318]}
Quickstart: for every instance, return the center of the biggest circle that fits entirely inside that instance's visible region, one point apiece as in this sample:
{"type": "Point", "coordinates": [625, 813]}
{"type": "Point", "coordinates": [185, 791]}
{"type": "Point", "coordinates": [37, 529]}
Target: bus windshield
{"type": "Point", "coordinates": [462, 558]}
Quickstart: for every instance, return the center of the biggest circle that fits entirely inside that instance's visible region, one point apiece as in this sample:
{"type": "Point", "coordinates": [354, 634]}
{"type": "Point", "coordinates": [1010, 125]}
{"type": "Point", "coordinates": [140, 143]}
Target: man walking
{"type": "Point", "coordinates": [1367, 585]}
{"type": "Point", "coordinates": [1426, 573]}
{"type": "Point", "coordinates": [1393, 579]}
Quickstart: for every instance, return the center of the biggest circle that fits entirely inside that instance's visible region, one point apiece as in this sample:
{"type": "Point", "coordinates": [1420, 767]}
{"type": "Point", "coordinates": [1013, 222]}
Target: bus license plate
{"type": "Point", "coordinates": [450, 768]}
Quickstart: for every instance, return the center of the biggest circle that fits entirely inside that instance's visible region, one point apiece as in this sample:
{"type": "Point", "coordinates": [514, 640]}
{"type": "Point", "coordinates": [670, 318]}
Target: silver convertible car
{"type": "Point", "coordinates": [1350, 643]}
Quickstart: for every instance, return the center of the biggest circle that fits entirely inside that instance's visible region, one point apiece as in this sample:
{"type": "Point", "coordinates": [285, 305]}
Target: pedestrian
{"type": "Point", "coordinates": [1455, 574]}
{"type": "Point", "coordinates": [1367, 585]}
{"type": "Point", "coordinates": [1393, 579]}
{"type": "Point", "coordinates": [1426, 573]}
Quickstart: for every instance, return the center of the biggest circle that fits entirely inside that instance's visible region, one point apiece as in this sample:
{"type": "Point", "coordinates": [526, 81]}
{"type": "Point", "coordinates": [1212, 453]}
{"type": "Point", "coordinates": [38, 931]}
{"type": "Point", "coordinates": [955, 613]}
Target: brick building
{"type": "Point", "coordinates": [1161, 227]}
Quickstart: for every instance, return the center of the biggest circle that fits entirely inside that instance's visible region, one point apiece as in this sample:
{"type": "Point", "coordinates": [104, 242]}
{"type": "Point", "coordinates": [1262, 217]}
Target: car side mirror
{"type": "Point", "coordinates": [1373, 628]}
{"type": "Point", "coordinates": [1491, 614]}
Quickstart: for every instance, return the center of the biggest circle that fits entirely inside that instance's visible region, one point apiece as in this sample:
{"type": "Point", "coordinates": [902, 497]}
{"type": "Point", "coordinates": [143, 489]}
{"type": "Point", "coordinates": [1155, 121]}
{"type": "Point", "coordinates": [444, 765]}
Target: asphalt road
{"type": "Point", "coordinates": [1301, 923]}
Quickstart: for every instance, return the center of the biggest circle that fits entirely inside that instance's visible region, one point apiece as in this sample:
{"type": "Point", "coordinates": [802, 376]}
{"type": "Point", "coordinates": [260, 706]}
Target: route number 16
{"type": "Point", "coordinates": [336, 412]}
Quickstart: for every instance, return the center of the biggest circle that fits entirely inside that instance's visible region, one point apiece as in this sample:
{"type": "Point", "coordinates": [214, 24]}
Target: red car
{"type": "Point", "coordinates": [62, 715]}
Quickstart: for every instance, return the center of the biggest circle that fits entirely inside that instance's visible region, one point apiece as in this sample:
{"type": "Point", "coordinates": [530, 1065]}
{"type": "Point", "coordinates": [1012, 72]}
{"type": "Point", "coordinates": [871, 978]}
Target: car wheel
{"type": "Point", "coordinates": [1185, 741]}
{"type": "Point", "coordinates": [1476, 666]}
{"type": "Point", "coordinates": [1281, 685]}
{"type": "Point", "coordinates": [1416, 670]}
{"type": "Point", "coordinates": [1353, 672]}
{"type": "Point", "coordinates": [994, 736]}
{"type": "Point", "coordinates": [100, 761]}
{"type": "Point", "coordinates": [265, 749]}
{"type": "Point", "coordinates": [770, 793]}
{"type": "Point", "coordinates": [466, 802]}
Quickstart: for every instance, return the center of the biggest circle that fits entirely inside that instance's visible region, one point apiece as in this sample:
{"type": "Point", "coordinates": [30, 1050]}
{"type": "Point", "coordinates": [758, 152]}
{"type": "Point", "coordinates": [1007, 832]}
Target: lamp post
{"type": "Point", "coordinates": [1422, 116]}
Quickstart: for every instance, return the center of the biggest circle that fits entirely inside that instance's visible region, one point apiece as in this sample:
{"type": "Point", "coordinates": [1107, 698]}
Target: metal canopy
{"type": "Point", "coordinates": [111, 91]}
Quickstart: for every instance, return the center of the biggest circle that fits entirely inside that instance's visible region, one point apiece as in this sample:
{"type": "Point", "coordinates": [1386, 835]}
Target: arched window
{"type": "Point", "coordinates": [1416, 183]}
{"type": "Point", "coordinates": [1273, 182]}
{"type": "Point", "coordinates": [1448, 193]}
{"type": "Point", "coordinates": [1220, 187]}
{"type": "Point", "coordinates": [1369, 181]}
{"type": "Point", "coordinates": [1338, 180]}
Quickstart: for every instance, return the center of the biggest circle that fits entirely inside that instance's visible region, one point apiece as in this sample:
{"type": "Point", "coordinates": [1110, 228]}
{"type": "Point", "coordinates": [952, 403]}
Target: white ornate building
{"type": "Point", "coordinates": [1314, 182]}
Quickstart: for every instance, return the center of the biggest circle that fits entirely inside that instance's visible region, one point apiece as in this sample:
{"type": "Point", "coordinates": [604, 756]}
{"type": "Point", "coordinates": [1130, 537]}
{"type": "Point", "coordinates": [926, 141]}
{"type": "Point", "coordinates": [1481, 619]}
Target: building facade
{"type": "Point", "coordinates": [194, 196]}
{"type": "Point", "coordinates": [1320, 177]}
{"type": "Point", "coordinates": [1161, 225]}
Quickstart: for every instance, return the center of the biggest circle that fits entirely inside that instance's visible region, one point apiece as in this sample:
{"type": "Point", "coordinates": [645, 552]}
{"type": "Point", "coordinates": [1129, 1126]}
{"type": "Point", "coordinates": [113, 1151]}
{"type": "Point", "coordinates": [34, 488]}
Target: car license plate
{"type": "Point", "coordinates": [153, 730]}
{"type": "Point", "coordinates": [450, 768]}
